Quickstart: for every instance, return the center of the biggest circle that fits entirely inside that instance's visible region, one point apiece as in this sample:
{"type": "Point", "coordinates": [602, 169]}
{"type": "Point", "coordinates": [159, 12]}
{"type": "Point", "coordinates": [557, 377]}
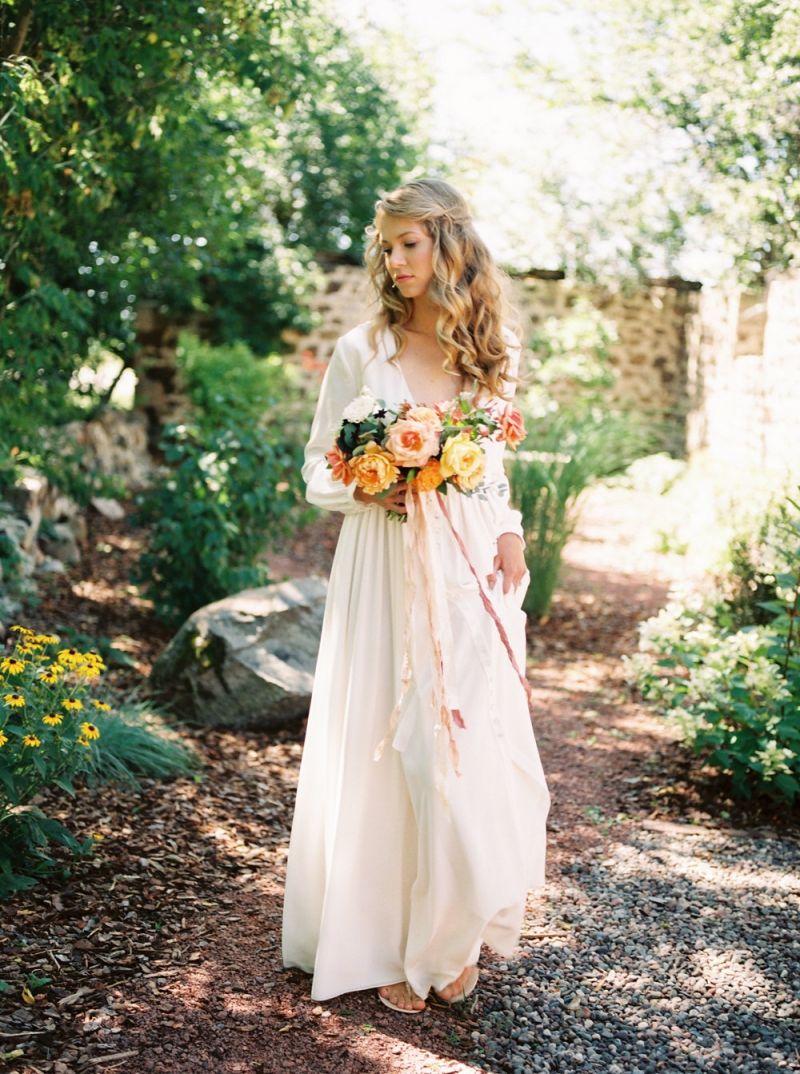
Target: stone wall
{"type": "Point", "coordinates": [744, 378]}
{"type": "Point", "coordinates": [160, 394]}
{"type": "Point", "coordinates": [650, 355]}
{"type": "Point", "coordinates": [722, 365]}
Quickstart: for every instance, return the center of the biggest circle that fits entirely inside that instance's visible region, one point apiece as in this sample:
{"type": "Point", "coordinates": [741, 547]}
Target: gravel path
{"type": "Point", "coordinates": [677, 950]}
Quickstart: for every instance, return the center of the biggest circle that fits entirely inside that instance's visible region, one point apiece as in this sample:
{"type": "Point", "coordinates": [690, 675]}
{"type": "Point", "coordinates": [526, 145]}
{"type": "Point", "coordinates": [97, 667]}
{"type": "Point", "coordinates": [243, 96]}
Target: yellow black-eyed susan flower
{"type": "Point", "coordinates": [73, 704]}
{"type": "Point", "coordinates": [12, 665]}
{"type": "Point", "coordinates": [48, 676]}
{"type": "Point", "coordinates": [56, 669]}
{"type": "Point", "coordinates": [15, 700]}
{"type": "Point", "coordinates": [19, 629]}
{"type": "Point", "coordinates": [3, 738]}
{"type": "Point", "coordinates": [87, 671]}
{"type": "Point", "coordinates": [31, 740]}
{"type": "Point", "coordinates": [70, 658]}
{"type": "Point", "coordinates": [53, 719]}
{"type": "Point", "coordinates": [101, 705]}
{"type": "Point", "coordinates": [83, 741]}
{"type": "Point", "coordinates": [90, 730]}
{"type": "Point", "coordinates": [46, 639]}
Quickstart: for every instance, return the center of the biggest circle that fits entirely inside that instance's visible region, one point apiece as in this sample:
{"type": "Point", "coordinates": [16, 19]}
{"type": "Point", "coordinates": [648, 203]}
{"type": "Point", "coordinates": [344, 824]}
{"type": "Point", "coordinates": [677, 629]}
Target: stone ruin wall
{"type": "Point", "coordinates": [650, 355]}
{"type": "Point", "coordinates": [743, 382]}
{"type": "Point", "coordinates": [723, 365]}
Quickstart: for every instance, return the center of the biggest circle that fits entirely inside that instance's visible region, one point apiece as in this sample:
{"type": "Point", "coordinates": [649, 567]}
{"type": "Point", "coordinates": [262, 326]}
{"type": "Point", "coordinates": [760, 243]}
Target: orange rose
{"type": "Point", "coordinates": [429, 477]}
{"type": "Point", "coordinates": [374, 471]}
{"type": "Point", "coordinates": [339, 464]}
{"type": "Point", "coordinates": [513, 427]}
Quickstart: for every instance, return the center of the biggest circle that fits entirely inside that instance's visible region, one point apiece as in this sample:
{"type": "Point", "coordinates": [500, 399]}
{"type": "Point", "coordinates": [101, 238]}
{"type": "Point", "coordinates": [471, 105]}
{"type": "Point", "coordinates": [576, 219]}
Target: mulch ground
{"type": "Point", "coordinates": [163, 949]}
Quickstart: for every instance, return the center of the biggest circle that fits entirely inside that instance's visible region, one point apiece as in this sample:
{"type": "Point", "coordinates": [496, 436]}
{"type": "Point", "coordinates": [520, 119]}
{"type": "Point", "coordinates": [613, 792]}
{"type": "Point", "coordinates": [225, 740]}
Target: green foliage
{"type": "Point", "coordinates": [723, 663]}
{"type": "Point", "coordinates": [227, 493]}
{"type": "Point", "coordinates": [579, 437]}
{"type": "Point", "coordinates": [229, 384]}
{"type": "Point", "coordinates": [196, 156]}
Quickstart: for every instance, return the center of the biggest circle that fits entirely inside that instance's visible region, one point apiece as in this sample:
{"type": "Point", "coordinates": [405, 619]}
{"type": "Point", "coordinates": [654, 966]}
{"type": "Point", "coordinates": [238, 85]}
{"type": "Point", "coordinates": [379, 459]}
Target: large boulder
{"type": "Point", "coordinates": [246, 661]}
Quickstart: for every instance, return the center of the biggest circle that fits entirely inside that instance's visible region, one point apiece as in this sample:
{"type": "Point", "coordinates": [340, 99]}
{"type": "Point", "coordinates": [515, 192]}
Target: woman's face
{"type": "Point", "coordinates": [408, 253]}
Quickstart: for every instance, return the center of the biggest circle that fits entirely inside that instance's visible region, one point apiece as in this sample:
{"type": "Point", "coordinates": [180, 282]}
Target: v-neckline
{"type": "Point", "coordinates": [399, 368]}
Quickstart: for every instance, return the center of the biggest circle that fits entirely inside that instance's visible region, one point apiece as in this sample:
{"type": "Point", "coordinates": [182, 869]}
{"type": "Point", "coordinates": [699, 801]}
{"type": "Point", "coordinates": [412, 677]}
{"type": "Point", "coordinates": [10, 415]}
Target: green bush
{"type": "Point", "coordinates": [52, 731]}
{"type": "Point", "coordinates": [226, 494]}
{"type": "Point", "coordinates": [228, 384]}
{"type": "Point", "coordinates": [722, 662]}
{"type": "Point", "coordinates": [231, 483]}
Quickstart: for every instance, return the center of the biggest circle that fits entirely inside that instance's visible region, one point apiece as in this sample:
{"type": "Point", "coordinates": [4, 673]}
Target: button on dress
{"type": "Point", "coordinates": [388, 878]}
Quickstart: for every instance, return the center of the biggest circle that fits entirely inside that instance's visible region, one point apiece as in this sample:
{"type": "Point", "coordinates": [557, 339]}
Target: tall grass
{"type": "Point", "coordinates": [547, 484]}
{"type": "Point", "coordinates": [577, 434]}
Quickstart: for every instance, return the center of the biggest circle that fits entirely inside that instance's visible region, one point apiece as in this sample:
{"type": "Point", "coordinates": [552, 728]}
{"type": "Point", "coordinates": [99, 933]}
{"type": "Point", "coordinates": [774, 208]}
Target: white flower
{"type": "Point", "coordinates": [361, 407]}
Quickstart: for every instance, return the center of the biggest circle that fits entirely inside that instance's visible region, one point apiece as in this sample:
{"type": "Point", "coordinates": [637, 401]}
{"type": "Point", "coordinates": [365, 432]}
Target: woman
{"type": "Point", "coordinates": [396, 871]}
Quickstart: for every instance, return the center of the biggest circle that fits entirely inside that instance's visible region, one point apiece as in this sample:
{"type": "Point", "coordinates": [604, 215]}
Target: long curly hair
{"type": "Point", "coordinates": [467, 285]}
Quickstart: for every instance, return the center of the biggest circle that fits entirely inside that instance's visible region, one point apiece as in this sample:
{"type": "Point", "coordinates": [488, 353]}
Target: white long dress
{"type": "Point", "coordinates": [385, 881]}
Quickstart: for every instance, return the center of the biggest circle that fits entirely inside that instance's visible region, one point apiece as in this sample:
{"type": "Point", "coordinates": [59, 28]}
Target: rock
{"type": "Point", "coordinates": [246, 661]}
{"type": "Point", "coordinates": [112, 509]}
{"type": "Point", "coordinates": [61, 543]}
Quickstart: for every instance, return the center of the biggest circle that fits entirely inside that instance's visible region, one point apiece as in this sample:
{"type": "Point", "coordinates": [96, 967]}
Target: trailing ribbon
{"type": "Point", "coordinates": [419, 537]}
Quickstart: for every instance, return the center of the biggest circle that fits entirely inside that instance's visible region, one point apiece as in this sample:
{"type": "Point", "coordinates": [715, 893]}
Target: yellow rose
{"type": "Point", "coordinates": [463, 459]}
{"type": "Point", "coordinates": [374, 471]}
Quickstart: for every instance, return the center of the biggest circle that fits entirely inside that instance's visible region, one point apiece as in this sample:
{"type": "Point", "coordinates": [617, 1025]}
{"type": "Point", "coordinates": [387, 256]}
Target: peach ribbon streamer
{"type": "Point", "coordinates": [418, 537]}
{"type": "Point", "coordinates": [486, 602]}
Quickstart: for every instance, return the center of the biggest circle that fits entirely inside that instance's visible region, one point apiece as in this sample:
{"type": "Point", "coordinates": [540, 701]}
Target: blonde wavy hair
{"type": "Point", "coordinates": [467, 285]}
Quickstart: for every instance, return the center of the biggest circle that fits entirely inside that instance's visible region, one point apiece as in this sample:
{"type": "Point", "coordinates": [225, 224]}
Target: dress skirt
{"type": "Point", "coordinates": [387, 879]}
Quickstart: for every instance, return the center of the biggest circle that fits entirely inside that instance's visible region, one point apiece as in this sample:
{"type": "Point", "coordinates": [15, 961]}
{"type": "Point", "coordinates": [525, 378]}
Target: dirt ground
{"type": "Point", "coordinates": [163, 950]}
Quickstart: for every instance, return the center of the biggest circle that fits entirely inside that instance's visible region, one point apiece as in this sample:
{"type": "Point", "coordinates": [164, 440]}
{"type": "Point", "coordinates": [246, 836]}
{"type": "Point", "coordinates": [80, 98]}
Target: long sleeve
{"type": "Point", "coordinates": [340, 385]}
{"type": "Point", "coordinates": [507, 518]}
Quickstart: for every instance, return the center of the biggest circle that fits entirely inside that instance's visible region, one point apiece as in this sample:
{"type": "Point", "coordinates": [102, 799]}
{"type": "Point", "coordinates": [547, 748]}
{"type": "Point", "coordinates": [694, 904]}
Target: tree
{"type": "Point", "coordinates": [162, 151]}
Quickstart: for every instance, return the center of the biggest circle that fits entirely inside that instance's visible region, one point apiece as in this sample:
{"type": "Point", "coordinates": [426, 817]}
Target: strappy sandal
{"type": "Point", "coordinates": [466, 989]}
{"type": "Point", "coordinates": [403, 1010]}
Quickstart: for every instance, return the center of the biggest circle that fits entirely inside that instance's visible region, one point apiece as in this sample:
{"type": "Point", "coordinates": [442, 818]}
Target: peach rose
{"type": "Point", "coordinates": [374, 471]}
{"type": "Point", "coordinates": [513, 427]}
{"type": "Point", "coordinates": [429, 477]}
{"type": "Point", "coordinates": [339, 464]}
{"type": "Point", "coordinates": [464, 460]}
{"type": "Point", "coordinates": [427, 416]}
{"type": "Point", "coordinates": [411, 442]}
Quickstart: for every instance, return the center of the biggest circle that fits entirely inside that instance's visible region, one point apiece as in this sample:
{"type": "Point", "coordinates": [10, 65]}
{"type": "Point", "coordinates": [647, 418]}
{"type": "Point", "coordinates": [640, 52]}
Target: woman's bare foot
{"type": "Point", "coordinates": [402, 995]}
{"type": "Point", "coordinates": [455, 988]}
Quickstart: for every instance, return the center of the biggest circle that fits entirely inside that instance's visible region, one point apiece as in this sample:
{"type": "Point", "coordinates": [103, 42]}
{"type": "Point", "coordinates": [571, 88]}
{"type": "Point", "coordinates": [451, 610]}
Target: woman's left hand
{"type": "Point", "coordinates": [510, 559]}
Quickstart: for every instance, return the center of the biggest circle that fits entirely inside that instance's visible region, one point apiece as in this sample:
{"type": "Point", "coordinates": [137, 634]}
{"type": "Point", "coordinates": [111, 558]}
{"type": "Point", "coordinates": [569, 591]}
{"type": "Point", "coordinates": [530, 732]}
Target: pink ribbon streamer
{"type": "Point", "coordinates": [418, 537]}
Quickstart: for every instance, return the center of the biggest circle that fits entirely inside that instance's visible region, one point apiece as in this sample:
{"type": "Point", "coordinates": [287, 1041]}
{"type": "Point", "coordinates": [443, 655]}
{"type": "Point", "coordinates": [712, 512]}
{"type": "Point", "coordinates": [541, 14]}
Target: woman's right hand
{"type": "Point", "coordinates": [393, 500]}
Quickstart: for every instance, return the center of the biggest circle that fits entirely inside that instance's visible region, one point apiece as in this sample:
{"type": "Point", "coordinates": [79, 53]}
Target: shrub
{"type": "Point", "coordinates": [53, 731]}
{"type": "Point", "coordinates": [231, 483]}
{"type": "Point", "coordinates": [722, 662]}
{"type": "Point", "coordinates": [225, 496]}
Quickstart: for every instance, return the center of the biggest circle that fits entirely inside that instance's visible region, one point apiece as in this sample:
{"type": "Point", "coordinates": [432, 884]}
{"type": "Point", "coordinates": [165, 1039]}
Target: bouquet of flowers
{"type": "Point", "coordinates": [429, 447]}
